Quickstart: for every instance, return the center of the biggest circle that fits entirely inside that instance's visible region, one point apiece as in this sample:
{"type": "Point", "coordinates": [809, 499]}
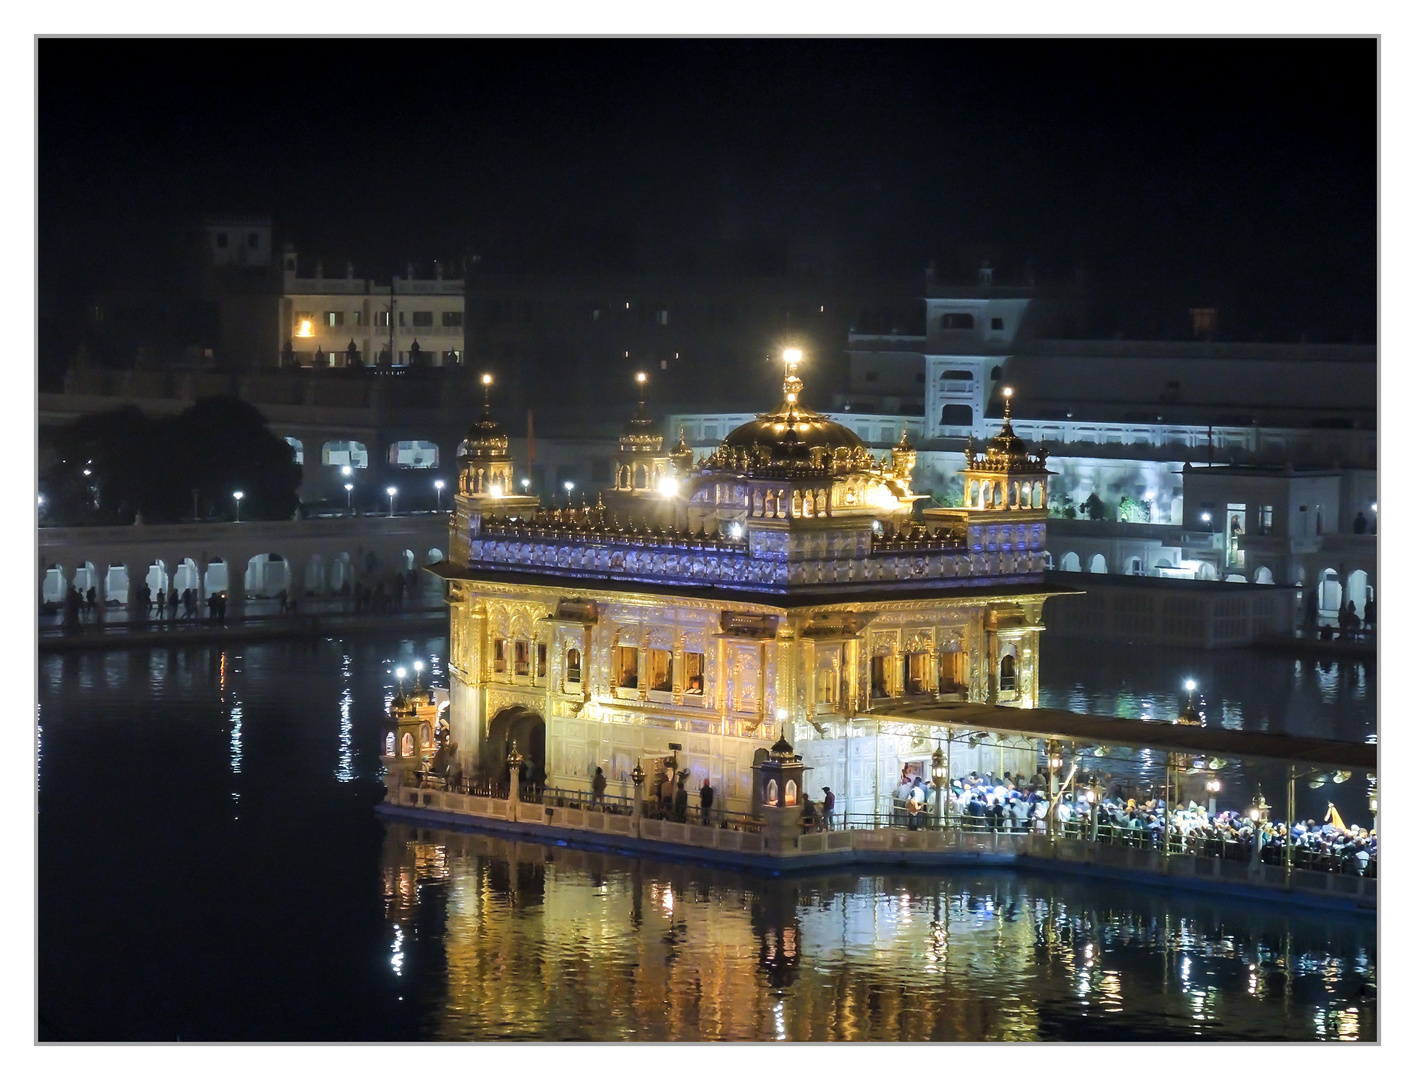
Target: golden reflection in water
{"type": "Point", "coordinates": [541, 942]}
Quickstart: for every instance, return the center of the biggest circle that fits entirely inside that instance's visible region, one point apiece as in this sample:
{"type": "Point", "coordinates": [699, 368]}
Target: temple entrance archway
{"type": "Point", "coordinates": [527, 730]}
{"type": "Point", "coordinates": [1356, 591]}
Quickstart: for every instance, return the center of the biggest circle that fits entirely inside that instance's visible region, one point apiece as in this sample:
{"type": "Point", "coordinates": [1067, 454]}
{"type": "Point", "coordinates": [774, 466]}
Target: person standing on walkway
{"type": "Point", "coordinates": [828, 808]}
{"type": "Point", "coordinates": [705, 797]}
{"type": "Point", "coordinates": [161, 604]}
{"type": "Point", "coordinates": [172, 603]}
{"type": "Point", "coordinates": [597, 786]}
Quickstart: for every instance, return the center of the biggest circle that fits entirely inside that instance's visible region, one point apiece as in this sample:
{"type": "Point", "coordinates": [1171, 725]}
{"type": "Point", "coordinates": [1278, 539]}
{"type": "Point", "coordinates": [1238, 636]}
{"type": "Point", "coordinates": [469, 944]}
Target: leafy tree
{"type": "Point", "coordinates": [1061, 505]}
{"type": "Point", "coordinates": [952, 494]}
{"type": "Point", "coordinates": [1132, 510]}
{"type": "Point", "coordinates": [150, 467]}
{"type": "Point", "coordinates": [1095, 508]}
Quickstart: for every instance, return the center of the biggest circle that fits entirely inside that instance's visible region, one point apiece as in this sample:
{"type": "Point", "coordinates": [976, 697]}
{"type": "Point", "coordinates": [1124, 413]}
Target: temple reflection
{"type": "Point", "coordinates": [507, 939]}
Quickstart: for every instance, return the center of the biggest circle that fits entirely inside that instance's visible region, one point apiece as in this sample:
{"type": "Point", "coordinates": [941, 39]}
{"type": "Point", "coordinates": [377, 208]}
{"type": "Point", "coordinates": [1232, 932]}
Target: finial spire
{"type": "Point", "coordinates": [642, 380]}
{"type": "Point", "coordinates": [486, 391]}
{"type": "Point", "coordinates": [792, 385]}
{"type": "Point", "coordinates": [1007, 404]}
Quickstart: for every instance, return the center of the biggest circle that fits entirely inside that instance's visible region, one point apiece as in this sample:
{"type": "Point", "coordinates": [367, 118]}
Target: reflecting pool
{"type": "Point", "coordinates": [211, 866]}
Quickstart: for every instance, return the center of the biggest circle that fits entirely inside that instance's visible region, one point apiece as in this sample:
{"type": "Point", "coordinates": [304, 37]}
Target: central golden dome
{"type": "Point", "coordinates": [791, 430]}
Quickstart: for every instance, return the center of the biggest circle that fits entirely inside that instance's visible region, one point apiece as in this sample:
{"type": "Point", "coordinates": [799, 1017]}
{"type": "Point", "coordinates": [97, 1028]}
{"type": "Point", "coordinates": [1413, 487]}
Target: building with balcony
{"type": "Point", "coordinates": [354, 322]}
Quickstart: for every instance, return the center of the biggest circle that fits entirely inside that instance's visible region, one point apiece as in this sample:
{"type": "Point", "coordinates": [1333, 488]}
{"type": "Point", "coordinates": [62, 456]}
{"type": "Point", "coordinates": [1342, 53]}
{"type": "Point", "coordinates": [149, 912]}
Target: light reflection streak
{"type": "Point", "coordinates": [345, 772]}
{"type": "Point", "coordinates": [397, 960]}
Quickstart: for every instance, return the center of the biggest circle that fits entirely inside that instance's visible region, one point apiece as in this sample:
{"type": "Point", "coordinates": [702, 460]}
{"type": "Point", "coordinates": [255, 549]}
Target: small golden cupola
{"type": "Point", "coordinates": [641, 466]}
{"type": "Point", "coordinates": [1007, 476]}
{"type": "Point", "coordinates": [484, 465]}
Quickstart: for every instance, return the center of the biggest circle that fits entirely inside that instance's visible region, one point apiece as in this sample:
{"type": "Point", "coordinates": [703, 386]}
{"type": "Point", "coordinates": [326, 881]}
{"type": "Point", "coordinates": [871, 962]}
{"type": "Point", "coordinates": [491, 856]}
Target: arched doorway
{"type": "Point", "coordinates": [1356, 591]}
{"type": "Point", "coordinates": [1071, 563]}
{"type": "Point", "coordinates": [527, 730]}
{"type": "Point", "coordinates": [1263, 576]}
{"type": "Point", "coordinates": [55, 584]}
{"type": "Point", "coordinates": [1098, 564]}
{"type": "Point", "coordinates": [1329, 594]}
{"type": "Point", "coordinates": [314, 575]}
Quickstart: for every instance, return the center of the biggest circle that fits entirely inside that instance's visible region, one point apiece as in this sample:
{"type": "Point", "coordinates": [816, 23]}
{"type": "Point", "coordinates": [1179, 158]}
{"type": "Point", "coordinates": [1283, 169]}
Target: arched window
{"type": "Point", "coordinates": [426, 732]}
{"type": "Point", "coordinates": [641, 477]}
{"type": "Point", "coordinates": [956, 416]}
{"type": "Point", "coordinates": [1007, 674]}
{"type": "Point", "coordinates": [780, 503]}
{"type": "Point", "coordinates": [390, 743]}
{"type": "Point", "coordinates": [771, 504]}
{"type": "Point", "coordinates": [408, 744]}
{"type": "Point", "coordinates": [757, 503]}
{"type": "Point", "coordinates": [623, 477]}
{"type": "Point", "coordinates": [413, 454]}
{"type": "Point", "coordinates": [808, 505]}
{"type": "Point", "coordinates": [338, 452]}
{"type": "Point", "coordinates": [572, 665]}
{"type": "Point", "coordinates": [298, 447]}
{"type": "Point", "coordinates": [771, 793]}
{"type": "Point", "coordinates": [820, 504]}
{"type": "Point", "coordinates": [1026, 499]}
{"type": "Point", "coordinates": [791, 793]}
{"type": "Point", "coordinates": [795, 504]}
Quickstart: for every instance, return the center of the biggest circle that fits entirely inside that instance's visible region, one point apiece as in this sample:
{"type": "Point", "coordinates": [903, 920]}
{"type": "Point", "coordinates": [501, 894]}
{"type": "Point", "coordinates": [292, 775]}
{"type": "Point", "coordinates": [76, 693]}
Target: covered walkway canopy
{"type": "Point", "coordinates": [1139, 734]}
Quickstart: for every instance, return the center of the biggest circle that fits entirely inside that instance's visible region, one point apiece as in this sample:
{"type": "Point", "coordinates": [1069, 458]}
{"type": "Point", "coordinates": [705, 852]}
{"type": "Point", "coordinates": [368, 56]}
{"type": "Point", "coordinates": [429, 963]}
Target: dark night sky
{"type": "Point", "coordinates": [1239, 173]}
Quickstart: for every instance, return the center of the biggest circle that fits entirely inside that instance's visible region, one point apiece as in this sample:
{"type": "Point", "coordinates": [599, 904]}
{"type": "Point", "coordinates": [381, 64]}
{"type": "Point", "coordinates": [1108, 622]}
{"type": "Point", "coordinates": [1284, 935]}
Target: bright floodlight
{"type": "Point", "coordinates": [41, 500]}
{"type": "Point", "coordinates": [642, 378]}
{"type": "Point", "coordinates": [348, 487]}
{"type": "Point", "coordinates": [569, 486]}
{"type": "Point", "coordinates": [439, 484]}
{"type": "Point", "coordinates": [1007, 391]}
{"type": "Point", "coordinates": [736, 530]}
{"type": "Point", "coordinates": [793, 356]}
{"type": "Point", "coordinates": [1373, 508]}
{"type": "Point", "coordinates": [781, 714]}
{"type": "Point", "coordinates": [668, 486]}
{"type": "Point", "coordinates": [1190, 685]}
{"type": "Point", "coordinates": [1149, 496]}
{"type": "Point", "coordinates": [417, 665]}
{"type": "Point", "coordinates": [496, 491]}
{"type": "Point", "coordinates": [392, 491]}
{"type": "Point", "coordinates": [526, 483]}
{"type": "Point", "coordinates": [347, 471]}
{"type": "Point", "coordinates": [402, 672]}
{"type": "Point", "coordinates": [486, 380]}
{"type": "Point", "coordinates": [238, 494]}
{"type": "Point", "coordinates": [1205, 516]}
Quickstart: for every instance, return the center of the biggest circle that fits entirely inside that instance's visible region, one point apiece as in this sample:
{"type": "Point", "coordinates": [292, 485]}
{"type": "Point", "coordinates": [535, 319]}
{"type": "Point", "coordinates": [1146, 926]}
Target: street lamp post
{"type": "Point", "coordinates": [238, 496]}
{"type": "Point", "coordinates": [349, 495]}
{"type": "Point", "coordinates": [1213, 786]}
{"type": "Point", "coordinates": [439, 485]}
{"type": "Point", "coordinates": [391, 493]}
{"type": "Point", "coordinates": [569, 487]}
{"type": "Point", "coordinates": [526, 484]}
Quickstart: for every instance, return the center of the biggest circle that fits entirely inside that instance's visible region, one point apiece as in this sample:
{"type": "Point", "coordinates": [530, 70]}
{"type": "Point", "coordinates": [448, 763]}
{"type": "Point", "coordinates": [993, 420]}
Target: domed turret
{"type": "Point", "coordinates": [681, 455]}
{"type": "Point", "coordinates": [484, 458]}
{"type": "Point", "coordinates": [1007, 475]}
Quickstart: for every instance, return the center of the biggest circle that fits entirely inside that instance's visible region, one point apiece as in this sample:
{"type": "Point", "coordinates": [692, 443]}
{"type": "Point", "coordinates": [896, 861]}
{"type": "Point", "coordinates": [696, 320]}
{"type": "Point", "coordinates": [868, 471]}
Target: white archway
{"type": "Point", "coordinates": [55, 584]}
{"type": "Point", "coordinates": [85, 578]}
{"type": "Point", "coordinates": [186, 576]}
{"type": "Point", "coordinates": [314, 575]}
{"type": "Point", "coordinates": [1207, 572]}
{"type": "Point", "coordinates": [217, 578]}
{"type": "Point", "coordinates": [1356, 591]}
{"type": "Point", "coordinates": [1071, 563]}
{"type": "Point", "coordinates": [266, 575]}
{"type": "Point", "coordinates": [1263, 576]}
{"type": "Point", "coordinates": [1329, 594]}
{"type": "Point", "coordinates": [115, 584]}
{"type": "Point", "coordinates": [157, 578]}
{"type": "Point", "coordinates": [1098, 564]}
